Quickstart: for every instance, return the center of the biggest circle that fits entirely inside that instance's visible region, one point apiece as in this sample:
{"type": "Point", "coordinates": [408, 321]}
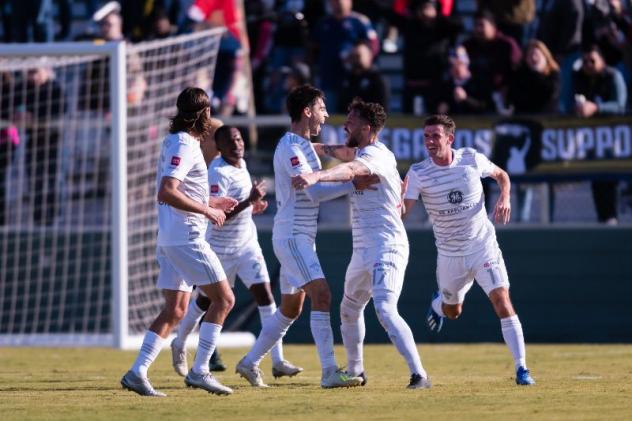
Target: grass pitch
{"type": "Point", "coordinates": [469, 382]}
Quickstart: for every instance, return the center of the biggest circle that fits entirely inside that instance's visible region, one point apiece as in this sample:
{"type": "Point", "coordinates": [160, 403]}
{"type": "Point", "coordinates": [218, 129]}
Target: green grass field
{"type": "Point", "coordinates": [469, 382]}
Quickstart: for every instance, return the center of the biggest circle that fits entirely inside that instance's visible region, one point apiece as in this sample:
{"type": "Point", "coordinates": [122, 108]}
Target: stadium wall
{"type": "Point", "coordinates": [567, 284]}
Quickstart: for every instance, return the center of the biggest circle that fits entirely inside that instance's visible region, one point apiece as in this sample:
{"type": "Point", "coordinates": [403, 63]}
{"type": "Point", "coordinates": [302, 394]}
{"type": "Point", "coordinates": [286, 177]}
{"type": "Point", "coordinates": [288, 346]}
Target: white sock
{"type": "Point", "coordinates": [353, 339]}
{"type": "Point", "coordinates": [188, 323]}
{"type": "Point", "coordinates": [272, 331]}
{"type": "Point", "coordinates": [265, 313]}
{"type": "Point", "coordinates": [320, 324]}
{"type": "Point", "coordinates": [437, 306]}
{"type": "Point", "coordinates": [209, 334]}
{"type": "Point", "coordinates": [149, 350]}
{"type": "Point", "coordinates": [399, 332]}
{"type": "Point", "coordinates": [512, 334]}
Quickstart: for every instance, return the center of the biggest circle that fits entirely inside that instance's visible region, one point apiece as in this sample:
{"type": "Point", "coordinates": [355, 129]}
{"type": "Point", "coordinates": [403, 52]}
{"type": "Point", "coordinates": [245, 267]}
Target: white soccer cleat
{"type": "Point", "coordinates": [285, 368]}
{"type": "Point", "coordinates": [418, 382]}
{"type": "Point", "coordinates": [179, 359]}
{"type": "Point", "coordinates": [207, 382]}
{"type": "Point", "coordinates": [338, 378]}
{"type": "Point", "coordinates": [140, 385]}
{"type": "Point", "coordinates": [251, 373]}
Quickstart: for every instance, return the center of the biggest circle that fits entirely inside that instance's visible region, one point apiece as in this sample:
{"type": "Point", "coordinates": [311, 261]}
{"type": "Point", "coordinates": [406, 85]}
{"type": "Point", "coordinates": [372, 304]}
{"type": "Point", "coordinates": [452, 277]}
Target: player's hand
{"type": "Point", "coordinates": [216, 216]}
{"type": "Point", "coordinates": [502, 210]}
{"type": "Point", "coordinates": [259, 207]}
{"type": "Point", "coordinates": [223, 203]}
{"type": "Point", "coordinates": [302, 181]}
{"type": "Point", "coordinates": [365, 182]}
{"type": "Point", "coordinates": [258, 191]}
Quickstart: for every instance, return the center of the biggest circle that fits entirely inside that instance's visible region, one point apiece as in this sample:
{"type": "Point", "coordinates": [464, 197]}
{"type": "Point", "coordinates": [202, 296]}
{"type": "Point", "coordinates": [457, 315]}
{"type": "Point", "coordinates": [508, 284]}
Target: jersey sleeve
{"type": "Point", "coordinates": [178, 161]}
{"type": "Point", "coordinates": [414, 186]}
{"type": "Point", "coordinates": [369, 159]}
{"type": "Point", "coordinates": [294, 161]}
{"type": "Point", "coordinates": [484, 166]}
{"type": "Point", "coordinates": [218, 182]}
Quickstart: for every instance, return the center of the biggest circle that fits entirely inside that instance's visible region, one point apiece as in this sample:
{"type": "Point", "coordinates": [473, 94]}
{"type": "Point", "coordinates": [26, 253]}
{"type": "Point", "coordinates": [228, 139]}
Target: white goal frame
{"type": "Point", "coordinates": [116, 52]}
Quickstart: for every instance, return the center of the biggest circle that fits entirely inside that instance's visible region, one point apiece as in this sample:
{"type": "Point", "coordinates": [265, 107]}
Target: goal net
{"type": "Point", "coordinates": [80, 130]}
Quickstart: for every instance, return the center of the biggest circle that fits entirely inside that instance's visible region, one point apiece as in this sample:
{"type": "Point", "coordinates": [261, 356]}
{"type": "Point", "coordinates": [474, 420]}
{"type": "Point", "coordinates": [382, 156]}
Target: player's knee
{"type": "Point", "coordinates": [349, 311]}
{"type": "Point", "coordinates": [501, 302]}
{"type": "Point", "coordinates": [262, 294]}
{"type": "Point", "coordinates": [225, 303]}
{"type": "Point", "coordinates": [321, 298]}
{"type": "Point", "coordinates": [452, 312]}
{"type": "Point", "coordinates": [386, 312]}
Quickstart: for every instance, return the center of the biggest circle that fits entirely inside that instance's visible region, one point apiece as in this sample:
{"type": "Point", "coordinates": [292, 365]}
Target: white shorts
{"type": "Point", "coordinates": [373, 272]}
{"type": "Point", "coordinates": [456, 274]}
{"type": "Point", "coordinates": [182, 267]}
{"type": "Point", "coordinates": [299, 263]}
{"type": "Point", "coordinates": [248, 264]}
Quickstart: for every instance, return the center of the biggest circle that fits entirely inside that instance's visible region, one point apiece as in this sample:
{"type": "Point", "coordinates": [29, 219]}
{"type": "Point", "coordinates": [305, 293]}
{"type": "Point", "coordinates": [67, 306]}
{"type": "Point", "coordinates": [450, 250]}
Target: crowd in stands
{"type": "Point", "coordinates": [547, 45]}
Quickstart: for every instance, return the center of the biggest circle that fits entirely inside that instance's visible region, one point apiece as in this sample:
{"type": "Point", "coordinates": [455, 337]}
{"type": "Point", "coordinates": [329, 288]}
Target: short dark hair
{"type": "Point", "coordinates": [441, 120]}
{"type": "Point", "coordinates": [589, 48]}
{"type": "Point", "coordinates": [486, 15]}
{"type": "Point", "coordinates": [192, 117]}
{"type": "Point", "coordinates": [301, 97]}
{"type": "Point", "coordinates": [372, 112]}
{"type": "Point", "coordinates": [223, 133]}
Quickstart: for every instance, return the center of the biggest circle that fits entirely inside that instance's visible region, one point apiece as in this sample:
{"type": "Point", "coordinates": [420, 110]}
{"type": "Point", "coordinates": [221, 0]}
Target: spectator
{"type": "Point", "coordinates": [600, 90]}
{"type": "Point", "coordinates": [462, 93]}
{"type": "Point", "coordinates": [229, 65]}
{"type": "Point", "coordinates": [608, 26]}
{"type": "Point", "coordinates": [514, 17]}
{"type": "Point", "coordinates": [39, 116]}
{"type": "Point", "coordinates": [428, 38]}
{"type": "Point", "coordinates": [363, 79]}
{"type": "Point", "coordinates": [149, 19]}
{"type": "Point", "coordinates": [9, 137]}
{"type": "Point", "coordinates": [535, 87]}
{"type": "Point", "coordinates": [493, 56]}
{"type": "Point", "coordinates": [33, 20]}
{"type": "Point", "coordinates": [561, 30]}
{"type": "Point", "coordinates": [337, 33]}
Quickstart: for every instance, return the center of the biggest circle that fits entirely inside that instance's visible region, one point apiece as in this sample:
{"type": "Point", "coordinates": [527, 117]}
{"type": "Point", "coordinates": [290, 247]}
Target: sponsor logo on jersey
{"type": "Point", "coordinates": [455, 197]}
{"type": "Point", "coordinates": [175, 161]}
{"type": "Point", "coordinates": [294, 161]}
{"type": "Point", "coordinates": [214, 188]}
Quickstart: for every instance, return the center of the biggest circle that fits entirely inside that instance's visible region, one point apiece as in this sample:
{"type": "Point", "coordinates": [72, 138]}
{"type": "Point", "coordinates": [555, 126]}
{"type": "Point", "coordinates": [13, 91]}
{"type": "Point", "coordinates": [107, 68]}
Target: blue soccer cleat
{"type": "Point", "coordinates": [433, 320]}
{"type": "Point", "coordinates": [523, 377]}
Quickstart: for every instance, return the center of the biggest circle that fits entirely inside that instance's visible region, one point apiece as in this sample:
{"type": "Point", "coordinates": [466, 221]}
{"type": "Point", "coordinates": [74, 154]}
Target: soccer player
{"type": "Point", "coordinates": [380, 244]}
{"type": "Point", "coordinates": [293, 239]}
{"type": "Point", "coordinates": [449, 182]}
{"type": "Point", "coordinates": [236, 246]}
{"type": "Point", "coordinates": [185, 258]}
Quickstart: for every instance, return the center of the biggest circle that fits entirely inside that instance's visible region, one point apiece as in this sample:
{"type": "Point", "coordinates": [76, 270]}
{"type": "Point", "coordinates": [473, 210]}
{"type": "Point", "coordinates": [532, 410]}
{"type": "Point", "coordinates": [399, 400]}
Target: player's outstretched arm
{"type": "Point", "coordinates": [257, 193]}
{"type": "Point", "coordinates": [169, 194]}
{"type": "Point", "coordinates": [502, 210]}
{"type": "Point", "coordinates": [343, 172]}
{"type": "Point", "coordinates": [340, 152]}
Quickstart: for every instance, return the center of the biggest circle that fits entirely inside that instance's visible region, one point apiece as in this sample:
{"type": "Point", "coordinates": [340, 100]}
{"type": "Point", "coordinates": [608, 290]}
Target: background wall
{"type": "Point", "coordinates": [567, 285]}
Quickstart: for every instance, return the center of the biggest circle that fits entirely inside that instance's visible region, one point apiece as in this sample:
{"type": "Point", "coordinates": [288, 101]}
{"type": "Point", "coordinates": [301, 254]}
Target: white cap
{"type": "Point", "coordinates": [109, 7]}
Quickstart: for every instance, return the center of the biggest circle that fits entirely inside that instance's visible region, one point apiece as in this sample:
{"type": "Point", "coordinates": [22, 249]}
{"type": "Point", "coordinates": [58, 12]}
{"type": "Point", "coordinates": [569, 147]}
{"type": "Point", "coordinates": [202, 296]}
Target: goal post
{"type": "Point", "coordinates": [78, 226]}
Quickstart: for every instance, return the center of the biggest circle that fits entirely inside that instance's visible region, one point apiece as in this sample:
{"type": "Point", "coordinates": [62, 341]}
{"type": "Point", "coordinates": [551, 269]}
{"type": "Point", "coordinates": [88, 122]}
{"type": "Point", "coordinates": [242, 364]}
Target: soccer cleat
{"type": "Point", "coordinates": [523, 378]}
{"type": "Point", "coordinates": [131, 381]}
{"type": "Point", "coordinates": [216, 363]}
{"type": "Point", "coordinates": [285, 368]}
{"type": "Point", "coordinates": [179, 359]}
{"type": "Point", "coordinates": [207, 382]}
{"type": "Point", "coordinates": [339, 378]}
{"type": "Point", "coordinates": [433, 320]}
{"type": "Point", "coordinates": [418, 382]}
{"type": "Point", "coordinates": [253, 374]}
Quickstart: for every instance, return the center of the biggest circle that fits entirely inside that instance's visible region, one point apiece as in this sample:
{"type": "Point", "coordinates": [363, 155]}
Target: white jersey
{"type": "Point", "coordinates": [227, 180]}
{"type": "Point", "coordinates": [376, 214]}
{"type": "Point", "coordinates": [296, 213]}
{"type": "Point", "coordinates": [454, 199]}
{"type": "Point", "coordinates": [181, 158]}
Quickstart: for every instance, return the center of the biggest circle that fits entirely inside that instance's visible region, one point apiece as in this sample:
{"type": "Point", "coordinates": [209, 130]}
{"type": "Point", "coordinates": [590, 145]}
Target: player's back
{"type": "Point", "coordinates": [226, 180]}
{"type": "Point", "coordinates": [376, 212]}
{"type": "Point", "coordinates": [296, 213]}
